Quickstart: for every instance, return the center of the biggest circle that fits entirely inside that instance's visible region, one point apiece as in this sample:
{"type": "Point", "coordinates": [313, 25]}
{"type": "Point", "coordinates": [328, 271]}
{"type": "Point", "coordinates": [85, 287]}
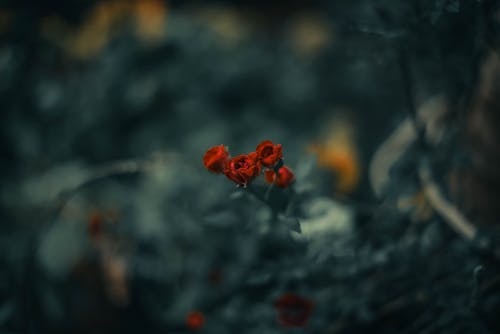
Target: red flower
{"type": "Point", "coordinates": [268, 153]}
{"type": "Point", "coordinates": [293, 310]}
{"type": "Point", "coordinates": [269, 175]}
{"type": "Point", "coordinates": [243, 168]}
{"type": "Point", "coordinates": [215, 158]}
{"type": "Point", "coordinates": [195, 320]}
{"type": "Point", "coordinates": [284, 179]}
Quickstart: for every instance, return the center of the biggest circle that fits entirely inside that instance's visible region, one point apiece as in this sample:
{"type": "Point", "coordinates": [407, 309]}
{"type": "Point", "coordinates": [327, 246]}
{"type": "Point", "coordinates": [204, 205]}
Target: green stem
{"type": "Point", "coordinates": [258, 196]}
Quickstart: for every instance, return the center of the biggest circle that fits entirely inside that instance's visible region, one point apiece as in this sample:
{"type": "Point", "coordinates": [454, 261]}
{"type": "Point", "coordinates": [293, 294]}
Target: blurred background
{"type": "Point", "coordinates": [110, 222]}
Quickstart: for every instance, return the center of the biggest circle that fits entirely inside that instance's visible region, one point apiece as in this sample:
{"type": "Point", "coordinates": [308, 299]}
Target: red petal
{"type": "Point", "coordinates": [269, 175]}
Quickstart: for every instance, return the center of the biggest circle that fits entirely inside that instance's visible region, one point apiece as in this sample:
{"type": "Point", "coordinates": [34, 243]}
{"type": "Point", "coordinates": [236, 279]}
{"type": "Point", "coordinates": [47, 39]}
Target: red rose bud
{"type": "Point", "coordinates": [269, 175]}
{"type": "Point", "coordinates": [284, 179]}
{"type": "Point", "coordinates": [243, 168]}
{"type": "Point", "coordinates": [293, 310]}
{"type": "Point", "coordinates": [269, 154]}
{"type": "Point", "coordinates": [195, 320]}
{"type": "Point", "coordinates": [216, 158]}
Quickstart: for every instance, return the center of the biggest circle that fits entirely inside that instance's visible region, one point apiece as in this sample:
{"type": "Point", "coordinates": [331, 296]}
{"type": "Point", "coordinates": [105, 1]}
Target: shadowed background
{"type": "Point", "coordinates": [92, 244]}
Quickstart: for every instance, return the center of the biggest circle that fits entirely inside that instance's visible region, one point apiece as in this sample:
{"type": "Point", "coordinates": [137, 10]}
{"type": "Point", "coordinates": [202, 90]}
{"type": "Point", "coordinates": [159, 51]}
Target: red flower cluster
{"type": "Point", "coordinates": [293, 310]}
{"type": "Point", "coordinates": [243, 168]}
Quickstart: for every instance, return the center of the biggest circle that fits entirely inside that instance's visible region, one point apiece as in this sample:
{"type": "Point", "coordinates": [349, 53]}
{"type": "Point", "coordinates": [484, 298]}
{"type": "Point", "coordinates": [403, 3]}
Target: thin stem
{"type": "Point", "coordinates": [262, 199]}
{"type": "Point", "coordinates": [268, 191]}
{"type": "Point", "coordinates": [255, 194]}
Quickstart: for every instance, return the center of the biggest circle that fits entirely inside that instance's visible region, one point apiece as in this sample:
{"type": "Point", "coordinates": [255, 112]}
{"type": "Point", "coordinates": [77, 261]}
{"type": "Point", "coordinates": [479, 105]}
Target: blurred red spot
{"type": "Point", "coordinates": [293, 310]}
{"type": "Point", "coordinates": [95, 223]}
{"type": "Point", "coordinates": [195, 320]}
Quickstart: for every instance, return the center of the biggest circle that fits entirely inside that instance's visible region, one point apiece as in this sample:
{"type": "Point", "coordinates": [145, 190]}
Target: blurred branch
{"type": "Point", "coordinates": [127, 167]}
{"type": "Point", "coordinates": [455, 219]}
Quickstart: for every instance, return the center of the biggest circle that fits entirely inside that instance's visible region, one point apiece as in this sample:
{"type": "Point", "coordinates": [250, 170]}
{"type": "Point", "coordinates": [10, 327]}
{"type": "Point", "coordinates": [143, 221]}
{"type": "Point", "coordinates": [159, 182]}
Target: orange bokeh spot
{"type": "Point", "coordinates": [104, 21]}
{"type": "Point", "coordinates": [338, 153]}
{"type": "Point", "coordinates": [150, 18]}
{"type": "Point", "coordinates": [195, 320]}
